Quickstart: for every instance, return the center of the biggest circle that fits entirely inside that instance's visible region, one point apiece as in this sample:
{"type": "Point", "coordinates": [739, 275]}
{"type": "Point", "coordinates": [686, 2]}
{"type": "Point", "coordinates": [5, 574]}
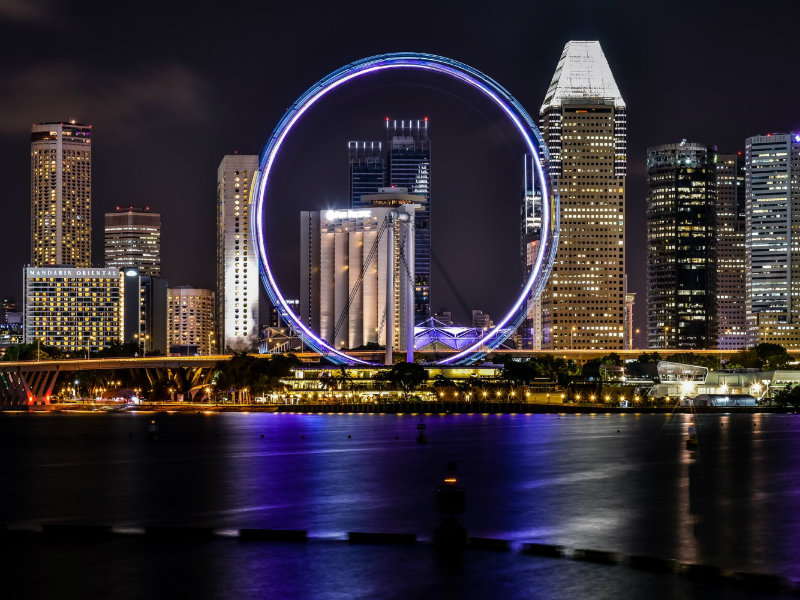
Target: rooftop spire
{"type": "Point", "coordinates": [582, 72]}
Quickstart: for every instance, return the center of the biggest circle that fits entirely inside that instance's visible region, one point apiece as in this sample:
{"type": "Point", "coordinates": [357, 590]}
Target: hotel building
{"type": "Point", "coordinates": [61, 194]}
{"type": "Point", "coordinates": [237, 257]}
{"type": "Point", "coordinates": [73, 309]}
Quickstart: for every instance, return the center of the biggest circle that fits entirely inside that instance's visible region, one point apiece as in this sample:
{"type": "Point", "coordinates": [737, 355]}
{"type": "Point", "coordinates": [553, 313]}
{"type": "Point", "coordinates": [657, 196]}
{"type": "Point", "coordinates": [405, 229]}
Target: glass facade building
{"type": "Point", "coordinates": [367, 170]}
{"type": "Point", "coordinates": [681, 246]}
{"type": "Point", "coordinates": [403, 162]}
{"type": "Point", "coordinates": [731, 254]}
{"type": "Point", "coordinates": [409, 166]}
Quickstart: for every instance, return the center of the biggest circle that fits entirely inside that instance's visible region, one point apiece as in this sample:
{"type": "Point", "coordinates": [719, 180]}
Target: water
{"type": "Point", "coordinates": [624, 483]}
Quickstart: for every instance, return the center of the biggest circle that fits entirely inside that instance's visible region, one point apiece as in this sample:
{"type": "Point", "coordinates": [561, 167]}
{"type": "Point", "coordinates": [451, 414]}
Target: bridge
{"type": "Point", "coordinates": [33, 382]}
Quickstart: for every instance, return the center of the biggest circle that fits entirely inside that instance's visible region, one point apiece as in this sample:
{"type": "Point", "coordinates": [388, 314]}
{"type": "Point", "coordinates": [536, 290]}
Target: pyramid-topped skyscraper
{"type": "Point", "coordinates": [583, 121]}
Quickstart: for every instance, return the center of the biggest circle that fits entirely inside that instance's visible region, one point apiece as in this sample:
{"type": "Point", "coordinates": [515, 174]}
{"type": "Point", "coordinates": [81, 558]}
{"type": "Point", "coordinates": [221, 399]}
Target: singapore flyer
{"type": "Point", "coordinates": [511, 109]}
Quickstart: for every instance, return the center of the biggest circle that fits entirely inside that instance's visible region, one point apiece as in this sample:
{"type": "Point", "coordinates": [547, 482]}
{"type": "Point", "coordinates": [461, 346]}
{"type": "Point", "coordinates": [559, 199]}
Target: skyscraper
{"type": "Point", "coordinates": [61, 194]}
{"type": "Point", "coordinates": [530, 235]}
{"type": "Point", "coordinates": [772, 219]}
{"type": "Point", "coordinates": [681, 246]}
{"type": "Point", "coordinates": [133, 239]}
{"type": "Point", "coordinates": [583, 121]}
{"type": "Point", "coordinates": [731, 253]}
{"type": "Point", "coordinates": [409, 166]}
{"type": "Point", "coordinates": [237, 258]}
{"type": "Point", "coordinates": [367, 170]}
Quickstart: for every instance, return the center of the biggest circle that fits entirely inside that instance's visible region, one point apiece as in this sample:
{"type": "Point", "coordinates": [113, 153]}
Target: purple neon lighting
{"type": "Point", "coordinates": [430, 63]}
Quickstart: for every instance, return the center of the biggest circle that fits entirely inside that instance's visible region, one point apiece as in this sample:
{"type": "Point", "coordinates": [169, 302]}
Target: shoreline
{"type": "Point", "coordinates": [396, 408]}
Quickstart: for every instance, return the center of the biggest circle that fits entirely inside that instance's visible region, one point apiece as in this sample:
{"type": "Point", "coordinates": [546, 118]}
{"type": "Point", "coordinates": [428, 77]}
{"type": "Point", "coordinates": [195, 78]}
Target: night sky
{"type": "Point", "coordinates": [170, 87]}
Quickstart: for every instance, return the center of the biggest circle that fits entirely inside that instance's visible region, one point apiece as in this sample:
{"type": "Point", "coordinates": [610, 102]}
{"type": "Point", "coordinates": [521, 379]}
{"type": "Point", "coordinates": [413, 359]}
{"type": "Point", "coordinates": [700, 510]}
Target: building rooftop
{"type": "Point", "coordinates": [582, 73]}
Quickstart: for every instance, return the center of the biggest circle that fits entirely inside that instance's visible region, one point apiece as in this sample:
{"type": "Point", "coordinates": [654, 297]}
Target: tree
{"type": "Point", "coordinates": [407, 376]}
{"type": "Point", "coordinates": [789, 396]}
{"type": "Point", "coordinates": [700, 360]}
{"type": "Point", "coordinates": [649, 357]}
{"type": "Point", "coordinates": [767, 357]}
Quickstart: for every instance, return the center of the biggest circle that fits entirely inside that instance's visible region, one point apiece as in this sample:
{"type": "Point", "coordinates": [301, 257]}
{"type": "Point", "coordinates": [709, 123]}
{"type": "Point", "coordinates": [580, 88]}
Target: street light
{"type": "Point", "coordinates": [666, 330]}
{"type": "Point", "coordinates": [572, 339]}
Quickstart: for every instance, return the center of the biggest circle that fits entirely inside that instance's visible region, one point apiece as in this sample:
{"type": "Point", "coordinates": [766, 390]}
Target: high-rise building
{"type": "Point", "coordinates": [681, 246]}
{"type": "Point", "coordinates": [409, 166]}
{"type": "Point", "coordinates": [61, 194]}
{"type": "Point", "coordinates": [367, 170]}
{"type": "Point", "coordinates": [583, 121]}
{"type": "Point", "coordinates": [145, 312]}
{"type": "Point", "coordinates": [772, 219]}
{"type": "Point", "coordinates": [73, 309]}
{"type": "Point", "coordinates": [237, 257]}
{"type": "Point", "coordinates": [344, 269]}
{"type": "Point", "coordinates": [190, 320]}
{"type": "Point", "coordinates": [530, 235]}
{"type": "Point", "coordinates": [133, 239]}
{"type": "Point", "coordinates": [731, 253]}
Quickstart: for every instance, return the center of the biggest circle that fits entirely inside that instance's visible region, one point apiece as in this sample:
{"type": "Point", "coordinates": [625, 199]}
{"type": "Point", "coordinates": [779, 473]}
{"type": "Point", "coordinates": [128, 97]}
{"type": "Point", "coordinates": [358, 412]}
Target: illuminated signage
{"type": "Point", "coordinates": [71, 272]}
{"type": "Point", "coordinates": [332, 215]}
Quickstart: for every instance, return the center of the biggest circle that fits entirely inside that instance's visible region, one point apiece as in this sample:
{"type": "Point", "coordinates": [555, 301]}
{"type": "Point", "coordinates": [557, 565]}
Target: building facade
{"type": "Point", "coordinates": [344, 274]}
{"type": "Point", "coordinates": [237, 258]}
{"type": "Point", "coordinates": [367, 170]}
{"type": "Point", "coordinates": [409, 166]}
{"type": "Point", "coordinates": [73, 309]}
{"type": "Point", "coordinates": [190, 321]}
{"type": "Point", "coordinates": [681, 246]}
{"type": "Point", "coordinates": [583, 121]}
{"type": "Point", "coordinates": [61, 194]}
{"type": "Point", "coordinates": [731, 253]}
{"type": "Point", "coordinates": [133, 239]}
{"type": "Point", "coordinates": [772, 214]}
{"type": "Point", "coordinates": [145, 312]}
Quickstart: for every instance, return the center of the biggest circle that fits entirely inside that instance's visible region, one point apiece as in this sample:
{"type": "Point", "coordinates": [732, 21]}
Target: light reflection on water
{"type": "Point", "coordinates": [624, 483]}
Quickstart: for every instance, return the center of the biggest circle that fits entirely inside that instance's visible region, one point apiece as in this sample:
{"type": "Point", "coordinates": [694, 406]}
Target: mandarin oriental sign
{"type": "Point", "coordinates": [71, 272]}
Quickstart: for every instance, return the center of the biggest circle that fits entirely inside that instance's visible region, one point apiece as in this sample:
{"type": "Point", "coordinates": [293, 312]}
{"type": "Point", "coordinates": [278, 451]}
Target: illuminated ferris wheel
{"type": "Point", "coordinates": [523, 124]}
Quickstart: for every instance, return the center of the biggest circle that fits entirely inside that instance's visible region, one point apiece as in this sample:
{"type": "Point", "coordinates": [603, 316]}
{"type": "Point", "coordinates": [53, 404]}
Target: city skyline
{"type": "Point", "coordinates": [642, 76]}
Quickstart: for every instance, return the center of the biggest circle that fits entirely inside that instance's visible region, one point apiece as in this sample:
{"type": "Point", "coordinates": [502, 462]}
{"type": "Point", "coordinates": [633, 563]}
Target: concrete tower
{"type": "Point", "coordinates": [61, 194]}
{"type": "Point", "coordinates": [237, 257]}
{"type": "Point", "coordinates": [133, 239]}
{"type": "Point", "coordinates": [583, 121]}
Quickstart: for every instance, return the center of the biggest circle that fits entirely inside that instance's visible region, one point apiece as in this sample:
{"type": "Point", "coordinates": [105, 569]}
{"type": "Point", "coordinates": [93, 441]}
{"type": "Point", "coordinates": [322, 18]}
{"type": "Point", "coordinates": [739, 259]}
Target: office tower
{"type": "Point", "coordinates": [409, 166]}
{"type": "Point", "coordinates": [344, 269]}
{"type": "Point", "coordinates": [61, 194]}
{"type": "Point", "coordinates": [145, 312]}
{"type": "Point", "coordinates": [133, 239]}
{"type": "Point", "coordinates": [772, 220]}
{"type": "Point", "coordinates": [367, 170]}
{"type": "Point", "coordinates": [681, 246]}
{"type": "Point", "coordinates": [731, 253]}
{"type": "Point", "coordinates": [73, 309]}
{"type": "Point", "coordinates": [237, 256]}
{"type": "Point", "coordinates": [190, 320]}
{"type": "Point", "coordinates": [530, 235]}
{"type": "Point", "coordinates": [583, 121]}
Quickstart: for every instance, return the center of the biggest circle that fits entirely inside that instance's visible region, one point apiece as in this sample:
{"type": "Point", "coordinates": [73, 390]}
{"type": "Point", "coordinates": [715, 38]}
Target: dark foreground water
{"type": "Point", "coordinates": [624, 483]}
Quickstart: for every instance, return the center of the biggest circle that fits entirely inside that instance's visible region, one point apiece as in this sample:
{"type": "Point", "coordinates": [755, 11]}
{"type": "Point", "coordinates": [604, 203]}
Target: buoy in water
{"type": "Point", "coordinates": [152, 430]}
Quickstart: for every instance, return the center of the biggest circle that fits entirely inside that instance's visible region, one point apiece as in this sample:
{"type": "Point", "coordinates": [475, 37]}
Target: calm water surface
{"type": "Point", "coordinates": [624, 483]}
